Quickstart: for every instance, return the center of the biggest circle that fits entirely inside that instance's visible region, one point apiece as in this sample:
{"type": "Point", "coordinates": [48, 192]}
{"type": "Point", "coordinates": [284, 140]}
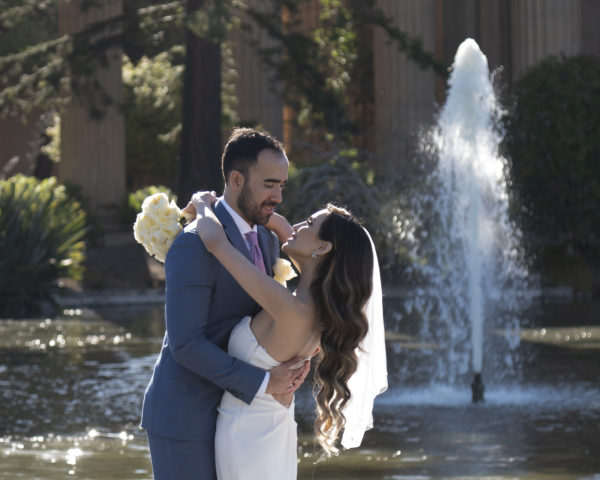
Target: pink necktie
{"type": "Point", "coordinates": [255, 253]}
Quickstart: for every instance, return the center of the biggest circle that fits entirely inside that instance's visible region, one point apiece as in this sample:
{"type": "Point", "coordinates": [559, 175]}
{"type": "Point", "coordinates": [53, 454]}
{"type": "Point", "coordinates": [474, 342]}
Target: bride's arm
{"type": "Point", "coordinates": [277, 300]}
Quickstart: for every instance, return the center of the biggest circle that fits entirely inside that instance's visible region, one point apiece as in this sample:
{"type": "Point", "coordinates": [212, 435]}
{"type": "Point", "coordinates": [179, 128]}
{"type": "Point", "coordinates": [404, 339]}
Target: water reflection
{"type": "Point", "coordinates": [71, 388]}
{"type": "Point", "coordinates": [573, 337]}
{"type": "Point", "coordinates": [98, 456]}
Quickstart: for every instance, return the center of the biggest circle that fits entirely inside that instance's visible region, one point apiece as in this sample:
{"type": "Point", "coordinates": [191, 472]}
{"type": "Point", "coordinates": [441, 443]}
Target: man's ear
{"type": "Point", "coordinates": [236, 180]}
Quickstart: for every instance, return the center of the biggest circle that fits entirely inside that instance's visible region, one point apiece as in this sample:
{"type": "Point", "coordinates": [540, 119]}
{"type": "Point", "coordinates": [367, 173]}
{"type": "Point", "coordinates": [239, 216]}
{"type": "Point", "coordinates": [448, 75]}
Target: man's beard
{"type": "Point", "coordinates": [252, 210]}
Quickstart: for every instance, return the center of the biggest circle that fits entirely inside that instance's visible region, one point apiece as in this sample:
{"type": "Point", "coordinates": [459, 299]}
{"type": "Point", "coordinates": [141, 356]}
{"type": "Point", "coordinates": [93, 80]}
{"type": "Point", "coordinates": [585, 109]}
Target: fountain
{"type": "Point", "coordinates": [468, 248]}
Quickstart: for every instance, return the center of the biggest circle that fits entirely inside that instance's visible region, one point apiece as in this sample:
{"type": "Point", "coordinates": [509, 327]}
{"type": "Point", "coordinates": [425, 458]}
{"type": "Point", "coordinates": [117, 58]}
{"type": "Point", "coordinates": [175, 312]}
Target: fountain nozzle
{"type": "Point", "coordinates": [477, 388]}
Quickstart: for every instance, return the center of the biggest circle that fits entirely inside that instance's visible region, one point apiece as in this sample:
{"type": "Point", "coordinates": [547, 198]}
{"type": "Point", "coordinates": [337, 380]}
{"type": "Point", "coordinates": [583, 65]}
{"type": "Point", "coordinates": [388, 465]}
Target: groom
{"type": "Point", "coordinates": [203, 304]}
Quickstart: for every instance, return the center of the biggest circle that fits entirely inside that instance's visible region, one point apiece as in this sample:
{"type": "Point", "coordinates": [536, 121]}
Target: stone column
{"type": "Point", "coordinates": [590, 12]}
{"type": "Point", "coordinates": [541, 28]}
{"type": "Point", "coordinates": [259, 100]}
{"type": "Point", "coordinates": [404, 94]}
{"type": "Point", "coordinates": [93, 149]}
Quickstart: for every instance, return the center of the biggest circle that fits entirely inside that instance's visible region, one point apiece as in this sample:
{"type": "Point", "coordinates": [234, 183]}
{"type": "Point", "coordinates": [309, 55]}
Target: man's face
{"type": "Point", "coordinates": [262, 187]}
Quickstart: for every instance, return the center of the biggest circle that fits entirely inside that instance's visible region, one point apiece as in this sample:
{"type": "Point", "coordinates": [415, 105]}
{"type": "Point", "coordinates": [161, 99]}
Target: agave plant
{"type": "Point", "coordinates": [41, 240]}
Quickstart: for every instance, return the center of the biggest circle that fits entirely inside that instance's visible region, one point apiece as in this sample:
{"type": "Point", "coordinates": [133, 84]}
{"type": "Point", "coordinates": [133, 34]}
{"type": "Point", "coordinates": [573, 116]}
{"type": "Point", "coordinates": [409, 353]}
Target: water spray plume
{"type": "Point", "coordinates": [469, 249]}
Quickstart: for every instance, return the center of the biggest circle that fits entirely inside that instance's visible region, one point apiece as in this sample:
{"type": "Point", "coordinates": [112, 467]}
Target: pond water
{"type": "Point", "coordinates": [71, 390]}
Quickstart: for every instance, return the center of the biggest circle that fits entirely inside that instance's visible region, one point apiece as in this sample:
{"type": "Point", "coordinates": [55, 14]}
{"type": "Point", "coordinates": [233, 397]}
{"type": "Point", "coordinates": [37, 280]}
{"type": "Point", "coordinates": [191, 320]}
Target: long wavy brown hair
{"type": "Point", "coordinates": [341, 288]}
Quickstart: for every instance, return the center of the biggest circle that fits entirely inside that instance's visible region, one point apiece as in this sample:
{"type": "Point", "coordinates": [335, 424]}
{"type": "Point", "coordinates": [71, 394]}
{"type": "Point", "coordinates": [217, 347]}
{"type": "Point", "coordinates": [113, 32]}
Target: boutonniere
{"type": "Point", "coordinates": [283, 271]}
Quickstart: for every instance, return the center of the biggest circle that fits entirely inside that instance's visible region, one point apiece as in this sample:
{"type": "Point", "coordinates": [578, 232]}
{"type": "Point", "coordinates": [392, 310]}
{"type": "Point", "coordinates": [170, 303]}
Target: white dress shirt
{"type": "Point", "coordinates": [244, 228]}
{"type": "Point", "coordinates": [240, 223]}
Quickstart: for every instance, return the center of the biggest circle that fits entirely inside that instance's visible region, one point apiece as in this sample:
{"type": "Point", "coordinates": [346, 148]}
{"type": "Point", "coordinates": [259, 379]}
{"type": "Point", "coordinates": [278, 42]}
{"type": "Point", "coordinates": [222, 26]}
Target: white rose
{"type": "Point", "coordinates": [168, 244]}
{"type": "Point", "coordinates": [143, 221]}
{"type": "Point", "coordinates": [174, 211]}
{"type": "Point", "coordinates": [152, 215]}
{"type": "Point", "coordinates": [157, 225]}
{"type": "Point", "coordinates": [163, 234]}
{"type": "Point", "coordinates": [141, 228]}
{"type": "Point", "coordinates": [137, 231]}
{"type": "Point", "coordinates": [158, 200]}
{"type": "Point", "coordinates": [156, 238]}
{"type": "Point", "coordinates": [162, 220]}
{"type": "Point", "coordinates": [160, 256]}
{"type": "Point", "coordinates": [171, 229]}
{"type": "Point", "coordinates": [283, 271]}
{"type": "Point", "coordinates": [163, 244]}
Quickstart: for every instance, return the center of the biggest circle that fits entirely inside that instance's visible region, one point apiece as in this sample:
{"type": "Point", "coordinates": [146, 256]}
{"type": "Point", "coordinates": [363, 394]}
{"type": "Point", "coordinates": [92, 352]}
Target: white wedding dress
{"type": "Point", "coordinates": [256, 441]}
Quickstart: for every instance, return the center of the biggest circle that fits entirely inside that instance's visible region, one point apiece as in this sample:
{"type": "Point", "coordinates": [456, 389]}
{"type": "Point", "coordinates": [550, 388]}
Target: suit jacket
{"type": "Point", "coordinates": [203, 304]}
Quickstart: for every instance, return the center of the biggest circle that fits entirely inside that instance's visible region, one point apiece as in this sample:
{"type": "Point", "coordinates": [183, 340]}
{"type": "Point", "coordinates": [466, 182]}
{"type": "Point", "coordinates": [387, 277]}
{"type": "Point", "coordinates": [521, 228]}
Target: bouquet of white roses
{"type": "Point", "coordinates": [157, 225]}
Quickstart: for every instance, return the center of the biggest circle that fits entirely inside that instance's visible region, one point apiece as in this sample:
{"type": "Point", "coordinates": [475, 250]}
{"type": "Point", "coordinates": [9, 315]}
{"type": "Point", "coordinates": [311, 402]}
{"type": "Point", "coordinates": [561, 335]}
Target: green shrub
{"type": "Point", "coordinates": [552, 139]}
{"type": "Point", "coordinates": [41, 239]}
{"type": "Point", "coordinates": [152, 118]}
{"type": "Point", "coordinates": [135, 200]}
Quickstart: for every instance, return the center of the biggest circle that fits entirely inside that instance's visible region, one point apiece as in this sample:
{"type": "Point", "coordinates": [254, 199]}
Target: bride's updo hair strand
{"type": "Point", "coordinates": [341, 287]}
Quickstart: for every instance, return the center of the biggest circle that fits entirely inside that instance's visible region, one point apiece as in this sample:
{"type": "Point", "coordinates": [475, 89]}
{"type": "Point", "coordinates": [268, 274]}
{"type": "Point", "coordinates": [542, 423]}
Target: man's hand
{"type": "Point", "coordinates": [287, 377]}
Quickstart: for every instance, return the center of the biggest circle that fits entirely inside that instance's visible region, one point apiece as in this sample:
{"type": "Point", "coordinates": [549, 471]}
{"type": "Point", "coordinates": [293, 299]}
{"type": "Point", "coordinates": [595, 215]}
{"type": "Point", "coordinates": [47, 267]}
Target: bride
{"type": "Point", "coordinates": [326, 315]}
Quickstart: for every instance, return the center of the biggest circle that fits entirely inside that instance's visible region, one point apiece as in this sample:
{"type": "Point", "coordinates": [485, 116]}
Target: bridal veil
{"type": "Point", "coordinates": [370, 378]}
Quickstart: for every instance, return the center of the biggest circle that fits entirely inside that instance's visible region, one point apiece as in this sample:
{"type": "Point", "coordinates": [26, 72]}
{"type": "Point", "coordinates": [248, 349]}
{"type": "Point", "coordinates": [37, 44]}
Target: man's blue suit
{"type": "Point", "coordinates": [203, 304]}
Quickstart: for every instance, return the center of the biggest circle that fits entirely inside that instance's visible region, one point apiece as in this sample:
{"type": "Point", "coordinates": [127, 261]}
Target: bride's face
{"type": "Point", "coordinates": [305, 239]}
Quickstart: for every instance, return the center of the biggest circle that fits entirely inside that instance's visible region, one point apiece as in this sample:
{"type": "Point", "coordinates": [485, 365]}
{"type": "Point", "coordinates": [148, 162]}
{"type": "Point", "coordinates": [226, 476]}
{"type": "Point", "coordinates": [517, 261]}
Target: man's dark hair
{"type": "Point", "coordinates": [242, 149]}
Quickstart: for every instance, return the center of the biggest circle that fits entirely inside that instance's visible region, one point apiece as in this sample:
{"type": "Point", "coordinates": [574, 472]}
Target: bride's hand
{"type": "Point", "coordinates": [208, 226]}
{"type": "Point", "coordinates": [189, 212]}
{"type": "Point", "coordinates": [203, 198]}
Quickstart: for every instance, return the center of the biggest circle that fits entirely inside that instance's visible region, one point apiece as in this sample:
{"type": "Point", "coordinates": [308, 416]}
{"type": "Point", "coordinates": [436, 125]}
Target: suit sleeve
{"type": "Point", "coordinates": [191, 275]}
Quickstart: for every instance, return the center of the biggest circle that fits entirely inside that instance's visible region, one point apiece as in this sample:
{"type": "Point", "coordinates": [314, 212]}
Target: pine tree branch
{"type": "Point", "coordinates": [11, 15]}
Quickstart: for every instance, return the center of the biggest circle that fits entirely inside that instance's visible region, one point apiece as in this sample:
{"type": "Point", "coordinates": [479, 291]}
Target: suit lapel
{"type": "Point", "coordinates": [231, 230]}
